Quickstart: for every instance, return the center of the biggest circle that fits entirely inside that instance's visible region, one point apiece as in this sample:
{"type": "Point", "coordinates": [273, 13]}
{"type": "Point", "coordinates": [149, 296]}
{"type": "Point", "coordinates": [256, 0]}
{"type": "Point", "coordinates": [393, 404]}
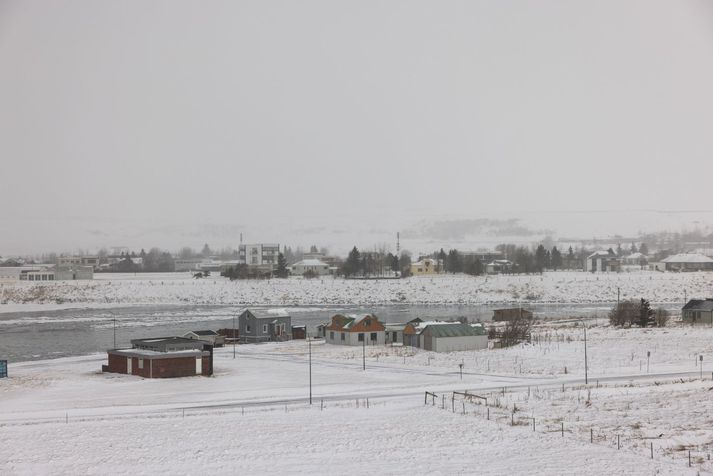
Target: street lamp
{"type": "Point", "coordinates": [233, 335]}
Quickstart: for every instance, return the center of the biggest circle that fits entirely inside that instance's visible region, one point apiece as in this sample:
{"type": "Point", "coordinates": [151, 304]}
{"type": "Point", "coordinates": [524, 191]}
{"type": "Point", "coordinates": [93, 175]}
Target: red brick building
{"type": "Point", "coordinates": [153, 364]}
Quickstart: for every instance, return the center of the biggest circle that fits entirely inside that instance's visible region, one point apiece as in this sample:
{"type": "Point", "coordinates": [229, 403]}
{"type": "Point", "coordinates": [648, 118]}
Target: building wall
{"type": "Point", "coordinates": [159, 368]}
{"type": "Point", "coordinates": [352, 338]}
{"type": "Point", "coordinates": [451, 344]}
{"type": "Point", "coordinates": [69, 273]}
{"type": "Point", "coordinates": [260, 327]}
{"type": "Point", "coordinates": [698, 317]}
{"type": "Point", "coordinates": [300, 269]}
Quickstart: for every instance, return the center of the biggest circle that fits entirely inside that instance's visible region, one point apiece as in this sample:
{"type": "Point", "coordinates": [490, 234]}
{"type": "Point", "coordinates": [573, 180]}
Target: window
{"type": "Point", "coordinates": [373, 336]}
{"type": "Point", "coordinates": [264, 328]}
{"type": "Point", "coordinates": [331, 335]}
{"type": "Point", "coordinates": [141, 363]}
{"type": "Point", "coordinates": [361, 337]}
{"type": "Point", "coordinates": [248, 326]}
{"type": "Point", "coordinates": [394, 336]}
{"type": "Point", "coordinates": [342, 335]}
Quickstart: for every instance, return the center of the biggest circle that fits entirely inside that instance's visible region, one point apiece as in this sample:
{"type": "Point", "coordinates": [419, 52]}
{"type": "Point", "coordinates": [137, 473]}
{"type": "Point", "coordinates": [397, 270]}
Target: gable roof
{"type": "Point", "coordinates": [310, 262]}
{"type": "Point", "coordinates": [267, 313]}
{"type": "Point", "coordinates": [455, 329]}
{"type": "Point", "coordinates": [699, 305]}
{"type": "Point", "coordinates": [687, 258]}
{"type": "Point", "coordinates": [203, 333]}
{"type": "Point", "coordinates": [601, 253]}
{"type": "Point", "coordinates": [348, 323]}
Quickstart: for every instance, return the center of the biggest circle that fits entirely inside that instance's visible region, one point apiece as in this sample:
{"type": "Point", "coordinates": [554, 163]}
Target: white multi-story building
{"type": "Point", "coordinates": [259, 254]}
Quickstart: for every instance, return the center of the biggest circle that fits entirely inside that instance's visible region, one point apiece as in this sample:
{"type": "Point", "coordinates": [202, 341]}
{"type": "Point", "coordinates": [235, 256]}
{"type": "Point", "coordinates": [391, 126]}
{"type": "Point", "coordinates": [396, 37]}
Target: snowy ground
{"type": "Point", "coordinates": [180, 288]}
{"type": "Point", "coordinates": [64, 417]}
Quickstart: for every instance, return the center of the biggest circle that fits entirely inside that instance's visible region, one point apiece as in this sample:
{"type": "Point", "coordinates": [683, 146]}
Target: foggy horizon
{"type": "Point", "coordinates": [171, 124]}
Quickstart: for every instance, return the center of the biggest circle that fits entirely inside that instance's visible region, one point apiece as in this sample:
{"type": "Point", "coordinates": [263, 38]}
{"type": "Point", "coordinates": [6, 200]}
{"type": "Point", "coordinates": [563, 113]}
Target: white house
{"type": "Point", "coordinates": [602, 261]}
{"type": "Point", "coordinates": [315, 266]}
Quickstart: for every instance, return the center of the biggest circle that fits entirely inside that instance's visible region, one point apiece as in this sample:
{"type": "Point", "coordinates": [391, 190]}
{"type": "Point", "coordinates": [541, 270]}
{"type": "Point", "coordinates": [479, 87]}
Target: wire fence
{"type": "Point", "coordinates": [489, 408]}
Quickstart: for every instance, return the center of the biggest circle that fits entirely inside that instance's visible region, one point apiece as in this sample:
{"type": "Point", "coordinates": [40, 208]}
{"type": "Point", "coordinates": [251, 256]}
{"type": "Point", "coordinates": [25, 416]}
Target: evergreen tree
{"type": "Point", "coordinates": [206, 252]}
{"type": "Point", "coordinates": [619, 251]}
{"type": "Point", "coordinates": [646, 314]}
{"type": "Point", "coordinates": [644, 249]}
{"type": "Point", "coordinates": [540, 258]}
{"type": "Point", "coordinates": [351, 266]}
{"type": "Point", "coordinates": [282, 271]}
{"type": "Point", "coordinates": [556, 258]}
{"type": "Point", "coordinates": [633, 248]}
{"type": "Point", "coordinates": [454, 263]}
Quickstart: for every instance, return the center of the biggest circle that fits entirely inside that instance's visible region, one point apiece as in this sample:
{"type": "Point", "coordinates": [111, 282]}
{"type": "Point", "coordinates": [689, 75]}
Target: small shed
{"type": "Point", "coordinates": [698, 311]}
{"type": "Point", "coordinates": [3, 368]}
{"type": "Point", "coordinates": [299, 332]}
{"type": "Point", "coordinates": [511, 314]}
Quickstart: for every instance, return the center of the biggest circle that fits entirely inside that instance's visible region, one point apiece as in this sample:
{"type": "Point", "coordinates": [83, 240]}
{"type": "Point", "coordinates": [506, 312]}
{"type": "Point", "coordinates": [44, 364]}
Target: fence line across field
{"type": "Point", "coordinates": [480, 408]}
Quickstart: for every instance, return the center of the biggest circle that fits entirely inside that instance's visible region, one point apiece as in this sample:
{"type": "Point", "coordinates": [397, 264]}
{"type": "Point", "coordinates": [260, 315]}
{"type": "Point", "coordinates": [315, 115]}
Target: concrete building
{"type": "Point", "coordinates": [426, 266]}
{"type": "Point", "coordinates": [698, 311]}
{"type": "Point", "coordinates": [314, 266]}
{"type": "Point", "coordinates": [193, 264]}
{"type": "Point", "coordinates": [259, 254]}
{"type": "Point", "coordinates": [259, 325]}
{"type": "Point", "coordinates": [355, 330]}
{"type": "Point", "coordinates": [168, 344]}
{"type": "Point", "coordinates": [604, 261]}
{"type": "Point", "coordinates": [73, 272]}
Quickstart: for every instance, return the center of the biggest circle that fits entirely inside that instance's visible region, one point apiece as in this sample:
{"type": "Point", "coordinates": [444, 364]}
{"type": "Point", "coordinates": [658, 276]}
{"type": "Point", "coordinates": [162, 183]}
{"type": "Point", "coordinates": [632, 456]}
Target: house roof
{"type": "Point", "coordinates": [342, 322]}
{"type": "Point", "coordinates": [205, 333]}
{"type": "Point", "coordinates": [268, 313]}
{"type": "Point", "coordinates": [601, 253]}
{"type": "Point", "coordinates": [699, 305]}
{"type": "Point", "coordinates": [310, 262]}
{"type": "Point", "coordinates": [167, 340]}
{"type": "Point", "coordinates": [453, 330]}
{"type": "Point", "coordinates": [687, 258]}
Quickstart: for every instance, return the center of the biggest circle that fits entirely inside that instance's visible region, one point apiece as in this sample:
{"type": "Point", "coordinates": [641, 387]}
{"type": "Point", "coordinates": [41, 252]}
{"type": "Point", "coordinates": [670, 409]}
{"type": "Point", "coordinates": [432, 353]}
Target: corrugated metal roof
{"type": "Point", "coordinates": [699, 305]}
{"type": "Point", "coordinates": [454, 330]}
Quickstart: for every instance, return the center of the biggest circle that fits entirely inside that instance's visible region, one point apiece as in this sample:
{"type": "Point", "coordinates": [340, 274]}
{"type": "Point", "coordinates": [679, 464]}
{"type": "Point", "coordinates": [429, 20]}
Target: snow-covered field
{"type": "Point", "coordinates": [63, 416]}
{"type": "Point", "coordinates": [180, 288]}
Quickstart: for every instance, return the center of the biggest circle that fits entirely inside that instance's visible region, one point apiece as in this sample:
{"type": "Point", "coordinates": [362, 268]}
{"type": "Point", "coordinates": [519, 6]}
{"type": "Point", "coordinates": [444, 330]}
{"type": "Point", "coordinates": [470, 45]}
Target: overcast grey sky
{"type": "Point", "coordinates": [123, 115]}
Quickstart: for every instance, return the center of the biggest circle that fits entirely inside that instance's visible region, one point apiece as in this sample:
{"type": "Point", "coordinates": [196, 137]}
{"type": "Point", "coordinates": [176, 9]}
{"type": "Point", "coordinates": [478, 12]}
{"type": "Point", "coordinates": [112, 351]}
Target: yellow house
{"type": "Point", "coordinates": [424, 267]}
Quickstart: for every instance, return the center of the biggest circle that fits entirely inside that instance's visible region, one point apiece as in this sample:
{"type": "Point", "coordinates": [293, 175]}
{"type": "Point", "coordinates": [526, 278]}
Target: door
{"type": "Point", "coordinates": [128, 366]}
{"type": "Point", "coordinates": [199, 365]}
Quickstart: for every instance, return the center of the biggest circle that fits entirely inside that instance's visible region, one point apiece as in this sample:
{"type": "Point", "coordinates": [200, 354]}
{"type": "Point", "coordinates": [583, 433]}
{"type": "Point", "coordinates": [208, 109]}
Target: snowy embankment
{"type": "Point", "coordinates": [88, 422]}
{"type": "Point", "coordinates": [180, 288]}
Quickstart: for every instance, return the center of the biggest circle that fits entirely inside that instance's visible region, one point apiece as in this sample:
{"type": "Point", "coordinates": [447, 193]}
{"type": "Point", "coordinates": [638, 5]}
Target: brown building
{"type": "Point", "coordinates": [162, 357]}
{"type": "Point", "coordinates": [503, 315]}
{"type": "Point", "coordinates": [152, 364]}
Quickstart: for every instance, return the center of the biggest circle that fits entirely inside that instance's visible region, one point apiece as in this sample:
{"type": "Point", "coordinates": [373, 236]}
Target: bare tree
{"type": "Point", "coordinates": [516, 331]}
{"type": "Point", "coordinates": [624, 314]}
{"type": "Point", "coordinates": [661, 317]}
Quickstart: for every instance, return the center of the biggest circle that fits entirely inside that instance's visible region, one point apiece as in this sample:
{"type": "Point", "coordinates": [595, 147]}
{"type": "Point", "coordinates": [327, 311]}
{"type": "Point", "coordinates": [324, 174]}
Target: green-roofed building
{"type": "Point", "coordinates": [452, 336]}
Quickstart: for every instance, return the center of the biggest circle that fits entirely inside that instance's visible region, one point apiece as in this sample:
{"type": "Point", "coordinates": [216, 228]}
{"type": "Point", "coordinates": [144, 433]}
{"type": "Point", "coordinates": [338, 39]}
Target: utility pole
{"type": "Point", "coordinates": [114, 332]}
{"type": "Point", "coordinates": [309, 342]}
{"type": "Point", "coordinates": [586, 377]}
{"type": "Point", "coordinates": [233, 335]}
{"type": "Point", "coordinates": [363, 352]}
{"type": "Point", "coordinates": [618, 294]}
